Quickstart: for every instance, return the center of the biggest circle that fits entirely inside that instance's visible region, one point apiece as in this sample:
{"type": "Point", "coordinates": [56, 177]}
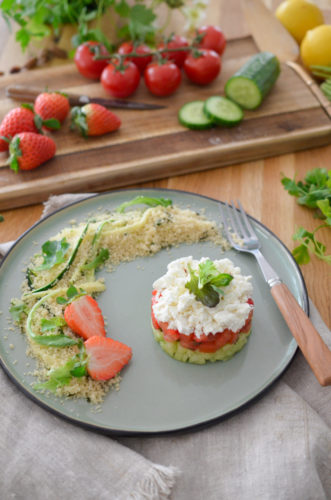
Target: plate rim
{"type": "Point", "coordinates": [185, 429]}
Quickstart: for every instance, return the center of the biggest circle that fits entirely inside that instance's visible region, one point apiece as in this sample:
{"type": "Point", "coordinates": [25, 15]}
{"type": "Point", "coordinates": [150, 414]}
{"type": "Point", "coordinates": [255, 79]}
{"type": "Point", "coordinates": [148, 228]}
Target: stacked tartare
{"type": "Point", "coordinates": [202, 310]}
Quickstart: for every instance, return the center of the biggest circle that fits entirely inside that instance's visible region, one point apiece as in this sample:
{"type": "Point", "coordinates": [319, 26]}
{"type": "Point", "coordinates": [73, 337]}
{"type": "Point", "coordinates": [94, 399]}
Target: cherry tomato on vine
{"type": "Point", "coordinates": [175, 42]}
{"type": "Point", "coordinates": [213, 39]}
{"type": "Point", "coordinates": [85, 60]}
{"type": "Point", "coordinates": [202, 66]}
{"type": "Point", "coordinates": [162, 79]}
{"type": "Point", "coordinates": [140, 62]}
{"type": "Point", "coordinates": [120, 80]}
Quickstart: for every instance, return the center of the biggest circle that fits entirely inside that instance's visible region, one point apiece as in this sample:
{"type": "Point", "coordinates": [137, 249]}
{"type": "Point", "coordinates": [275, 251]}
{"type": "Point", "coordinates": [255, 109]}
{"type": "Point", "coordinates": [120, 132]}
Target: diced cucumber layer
{"type": "Point", "coordinates": [192, 116]}
{"type": "Point", "coordinates": [180, 353]}
{"type": "Point", "coordinates": [222, 111]}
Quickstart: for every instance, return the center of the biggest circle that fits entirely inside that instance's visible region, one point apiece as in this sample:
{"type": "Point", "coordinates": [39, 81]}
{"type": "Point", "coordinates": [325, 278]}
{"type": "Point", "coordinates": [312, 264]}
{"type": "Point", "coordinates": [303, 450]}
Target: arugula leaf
{"type": "Point", "coordinates": [54, 253]}
{"type": "Point", "coordinates": [315, 193]}
{"type": "Point", "coordinates": [101, 257]}
{"type": "Point", "coordinates": [71, 293]}
{"type": "Point", "coordinates": [206, 285]}
{"type": "Point", "coordinates": [75, 367]}
{"type": "Point", "coordinates": [144, 200]}
{"type": "Point", "coordinates": [18, 311]}
{"type": "Point", "coordinates": [51, 324]}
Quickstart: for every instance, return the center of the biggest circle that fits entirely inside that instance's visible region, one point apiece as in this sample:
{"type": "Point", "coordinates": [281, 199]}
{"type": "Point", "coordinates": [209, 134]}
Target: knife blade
{"type": "Point", "coordinates": [29, 94]}
{"type": "Point", "coordinates": [270, 35]}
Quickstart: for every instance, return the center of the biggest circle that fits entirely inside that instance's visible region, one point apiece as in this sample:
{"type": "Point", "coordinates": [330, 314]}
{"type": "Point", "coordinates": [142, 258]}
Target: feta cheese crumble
{"type": "Point", "coordinates": [177, 306]}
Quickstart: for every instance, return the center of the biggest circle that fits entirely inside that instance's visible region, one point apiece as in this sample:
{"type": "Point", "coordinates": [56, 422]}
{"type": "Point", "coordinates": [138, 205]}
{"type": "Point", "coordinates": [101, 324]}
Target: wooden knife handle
{"type": "Point", "coordinates": [308, 339]}
{"type": "Point", "coordinates": [22, 93]}
{"type": "Point", "coordinates": [314, 87]}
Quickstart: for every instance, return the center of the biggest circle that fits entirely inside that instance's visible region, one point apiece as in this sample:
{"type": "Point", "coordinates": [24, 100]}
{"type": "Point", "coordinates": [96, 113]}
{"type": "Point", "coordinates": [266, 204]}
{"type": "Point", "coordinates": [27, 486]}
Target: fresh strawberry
{"type": "Point", "coordinates": [52, 106]}
{"type": "Point", "coordinates": [106, 357]}
{"type": "Point", "coordinates": [94, 119]}
{"type": "Point", "coordinates": [15, 121]}
{"type": "Point", "coordinates": [84, 317]}
{"type": "Point", "coordinates": [29, 150]}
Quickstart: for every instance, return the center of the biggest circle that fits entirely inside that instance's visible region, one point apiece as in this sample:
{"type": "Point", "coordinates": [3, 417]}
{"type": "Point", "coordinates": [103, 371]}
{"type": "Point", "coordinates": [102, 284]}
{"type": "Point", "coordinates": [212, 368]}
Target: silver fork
{"type": "Point", "coordinates": [236, 226]}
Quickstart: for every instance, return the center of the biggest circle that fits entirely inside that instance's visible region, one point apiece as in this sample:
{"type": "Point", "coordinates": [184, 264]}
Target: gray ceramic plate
{"type": "Point", "coordinates": [158, 394]}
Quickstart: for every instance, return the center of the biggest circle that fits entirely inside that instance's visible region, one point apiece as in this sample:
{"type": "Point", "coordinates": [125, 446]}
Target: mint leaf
{"type": "Point", "coordinates": [206, 285]}
{"type": "Point", "coordinates": [54, 253]}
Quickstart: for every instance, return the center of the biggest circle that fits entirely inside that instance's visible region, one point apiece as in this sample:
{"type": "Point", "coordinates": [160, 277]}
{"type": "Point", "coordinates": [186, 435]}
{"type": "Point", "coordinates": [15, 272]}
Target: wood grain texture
{"type": "Point", "coordinates": [308, 339]}
{"type": "Point", "coordinates": [256, 183]}
{"type": "Point", "coordinates": [152, 144]}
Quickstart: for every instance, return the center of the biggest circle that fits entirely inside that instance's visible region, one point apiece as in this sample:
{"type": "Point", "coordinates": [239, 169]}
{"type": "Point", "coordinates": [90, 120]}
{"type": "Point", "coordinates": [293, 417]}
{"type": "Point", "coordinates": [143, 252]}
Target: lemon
{"type": "Point", "coordinates": [316, 46]}
{"type": "Point", "coordinates": [299, 16]}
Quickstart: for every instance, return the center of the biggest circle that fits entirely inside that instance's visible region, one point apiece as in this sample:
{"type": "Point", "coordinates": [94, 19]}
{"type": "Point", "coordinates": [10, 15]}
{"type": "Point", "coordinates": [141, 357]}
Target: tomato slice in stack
{"type": "Point", "coordinates": [205, 343]}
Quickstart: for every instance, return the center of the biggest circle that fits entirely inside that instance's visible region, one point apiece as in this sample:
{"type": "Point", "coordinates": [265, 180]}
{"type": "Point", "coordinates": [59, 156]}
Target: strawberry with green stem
{"type": "Point", "coordinates": [28, 150]}
{"type": "Point", "coordinates": [93, 119]}
{"type": "Point", "coordinates": [21, 119]}
{"type": "Point", "coordinates": [52, 107]}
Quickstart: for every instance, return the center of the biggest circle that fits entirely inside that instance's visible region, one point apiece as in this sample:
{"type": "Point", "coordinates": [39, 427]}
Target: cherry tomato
{"type": "Point", "coordinates": [202, 66]}
{"type": "Point", "coordinates": [162, 79]}
{"type": "Point", "coordinates": [176, 42]}
{"type": "Point", "coordinates": [213, 39]}
{"type": "Point", "coordinates": [140, 62]}
{"type": "Point", "coordinates": [85, 60]}
{"type": "Point", "coordinates": [120, 82]}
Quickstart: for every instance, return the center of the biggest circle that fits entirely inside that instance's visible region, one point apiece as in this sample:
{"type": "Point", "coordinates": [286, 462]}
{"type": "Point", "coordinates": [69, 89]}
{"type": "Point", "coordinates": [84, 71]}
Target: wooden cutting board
{"type": "Point", "coordinates": [152, 144]}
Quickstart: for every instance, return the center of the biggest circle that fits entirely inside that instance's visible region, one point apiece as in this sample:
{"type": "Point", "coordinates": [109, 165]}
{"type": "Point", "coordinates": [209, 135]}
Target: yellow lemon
{"type": "Point", "coordinates": [299, 16]}
{"type": "Point", "coordinates": [316, 46]}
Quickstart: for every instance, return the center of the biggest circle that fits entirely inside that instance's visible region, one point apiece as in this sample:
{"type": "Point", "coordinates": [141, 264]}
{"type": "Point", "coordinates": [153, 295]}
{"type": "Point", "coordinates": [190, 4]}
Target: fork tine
{"type": "Point", "coordinates": [244, 232]}
{"type": "Point", "coordinates": [246, 219]}
{"type": "Point", "coordinates": [225, 223]}
{"type": "Point", "coordinates": [233, 221]}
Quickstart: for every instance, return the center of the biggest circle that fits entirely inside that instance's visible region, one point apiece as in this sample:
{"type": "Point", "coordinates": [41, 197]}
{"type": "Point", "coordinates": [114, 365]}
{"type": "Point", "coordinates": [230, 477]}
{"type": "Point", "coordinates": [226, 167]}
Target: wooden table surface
{"type": "Point", "coordinates": [257, 184]}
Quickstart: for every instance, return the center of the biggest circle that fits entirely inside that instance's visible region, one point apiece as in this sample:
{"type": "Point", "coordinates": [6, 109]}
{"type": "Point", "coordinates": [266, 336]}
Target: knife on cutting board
{"type": "Point", "coordinates": [270, 35]}
{"type": "Point", "coordinates": [29, 94]}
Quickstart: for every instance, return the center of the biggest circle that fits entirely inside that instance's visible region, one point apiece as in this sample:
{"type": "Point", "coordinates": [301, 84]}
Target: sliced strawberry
{"type": "Point", "coordinates": [84, 317]}
{"type": "Point", "coordinates": [106, 357]}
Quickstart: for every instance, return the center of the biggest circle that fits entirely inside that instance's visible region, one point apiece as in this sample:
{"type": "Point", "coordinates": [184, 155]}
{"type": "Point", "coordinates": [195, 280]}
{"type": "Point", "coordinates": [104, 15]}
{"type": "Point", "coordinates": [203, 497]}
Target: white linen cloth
{"type": "Point", "coordinates": [279, 448]}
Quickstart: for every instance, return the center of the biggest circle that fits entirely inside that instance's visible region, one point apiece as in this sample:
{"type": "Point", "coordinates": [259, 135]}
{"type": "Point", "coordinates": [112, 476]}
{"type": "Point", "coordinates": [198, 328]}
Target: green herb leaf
{"type": "Point", "coordinates": [144, 200]}
{"type": "Point", "coordinates": [315, 193]}
{"type": "Point", "coordinates": [54, 253]}
{"type": "Point", "coordinates": [75, 367]}
{"type": "Point", "coordinates": [18, 311]}
{"type": "Point", "coordinates": [141, 21]}
{"type": "Point", "coordinates": [206, 285]}
{"type": "Point", "coordinates": [51, 324]}
{"type": "Point", "coordinates": [55, 340]}
{"type": "Point", "coordinates": [71, 293]}
{"type": "Point", "coordinates": [101, 257]}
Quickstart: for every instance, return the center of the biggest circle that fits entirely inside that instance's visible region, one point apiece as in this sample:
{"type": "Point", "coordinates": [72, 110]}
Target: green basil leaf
{"type": "Point", "coordinates": [51, 324]}
{"type": "Point", "coordinates": [55, 340]}
{"type": "Point", "coordinates": [54, 253]}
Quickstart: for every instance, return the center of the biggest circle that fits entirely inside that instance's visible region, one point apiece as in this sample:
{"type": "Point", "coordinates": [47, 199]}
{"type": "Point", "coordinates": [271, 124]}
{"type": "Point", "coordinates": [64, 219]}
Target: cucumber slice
{"type": "Point", "coordinates": [192, 116]}
{"type": "Point", "coordinates": [222, 111]}
{"type": "Point", "coordinates": [250, 84]}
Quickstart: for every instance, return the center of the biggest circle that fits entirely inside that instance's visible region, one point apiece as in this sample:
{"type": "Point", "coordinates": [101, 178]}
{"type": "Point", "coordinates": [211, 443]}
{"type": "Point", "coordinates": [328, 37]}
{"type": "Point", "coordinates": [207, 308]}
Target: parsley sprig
{"type": "Point", "coordinates": [207, 285]}
{"type": "Point", "coordinates": [38, 18]}
{"type": "Point", "coordinates": [314, 192]}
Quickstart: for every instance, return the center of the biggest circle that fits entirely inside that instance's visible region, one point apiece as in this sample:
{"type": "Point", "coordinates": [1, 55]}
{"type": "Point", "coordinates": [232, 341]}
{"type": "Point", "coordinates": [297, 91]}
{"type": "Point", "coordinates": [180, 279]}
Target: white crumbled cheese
{"type": "Point", "coordinates": [178, 307]}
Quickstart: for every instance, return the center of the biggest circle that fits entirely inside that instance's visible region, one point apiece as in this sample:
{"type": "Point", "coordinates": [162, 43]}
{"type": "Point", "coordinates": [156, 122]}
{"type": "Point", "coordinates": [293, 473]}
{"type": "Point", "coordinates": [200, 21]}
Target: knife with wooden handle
{"type": "Point", "coordinates": [28, 94]}
{"type": "Point", "coordinates": [270, 35]}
